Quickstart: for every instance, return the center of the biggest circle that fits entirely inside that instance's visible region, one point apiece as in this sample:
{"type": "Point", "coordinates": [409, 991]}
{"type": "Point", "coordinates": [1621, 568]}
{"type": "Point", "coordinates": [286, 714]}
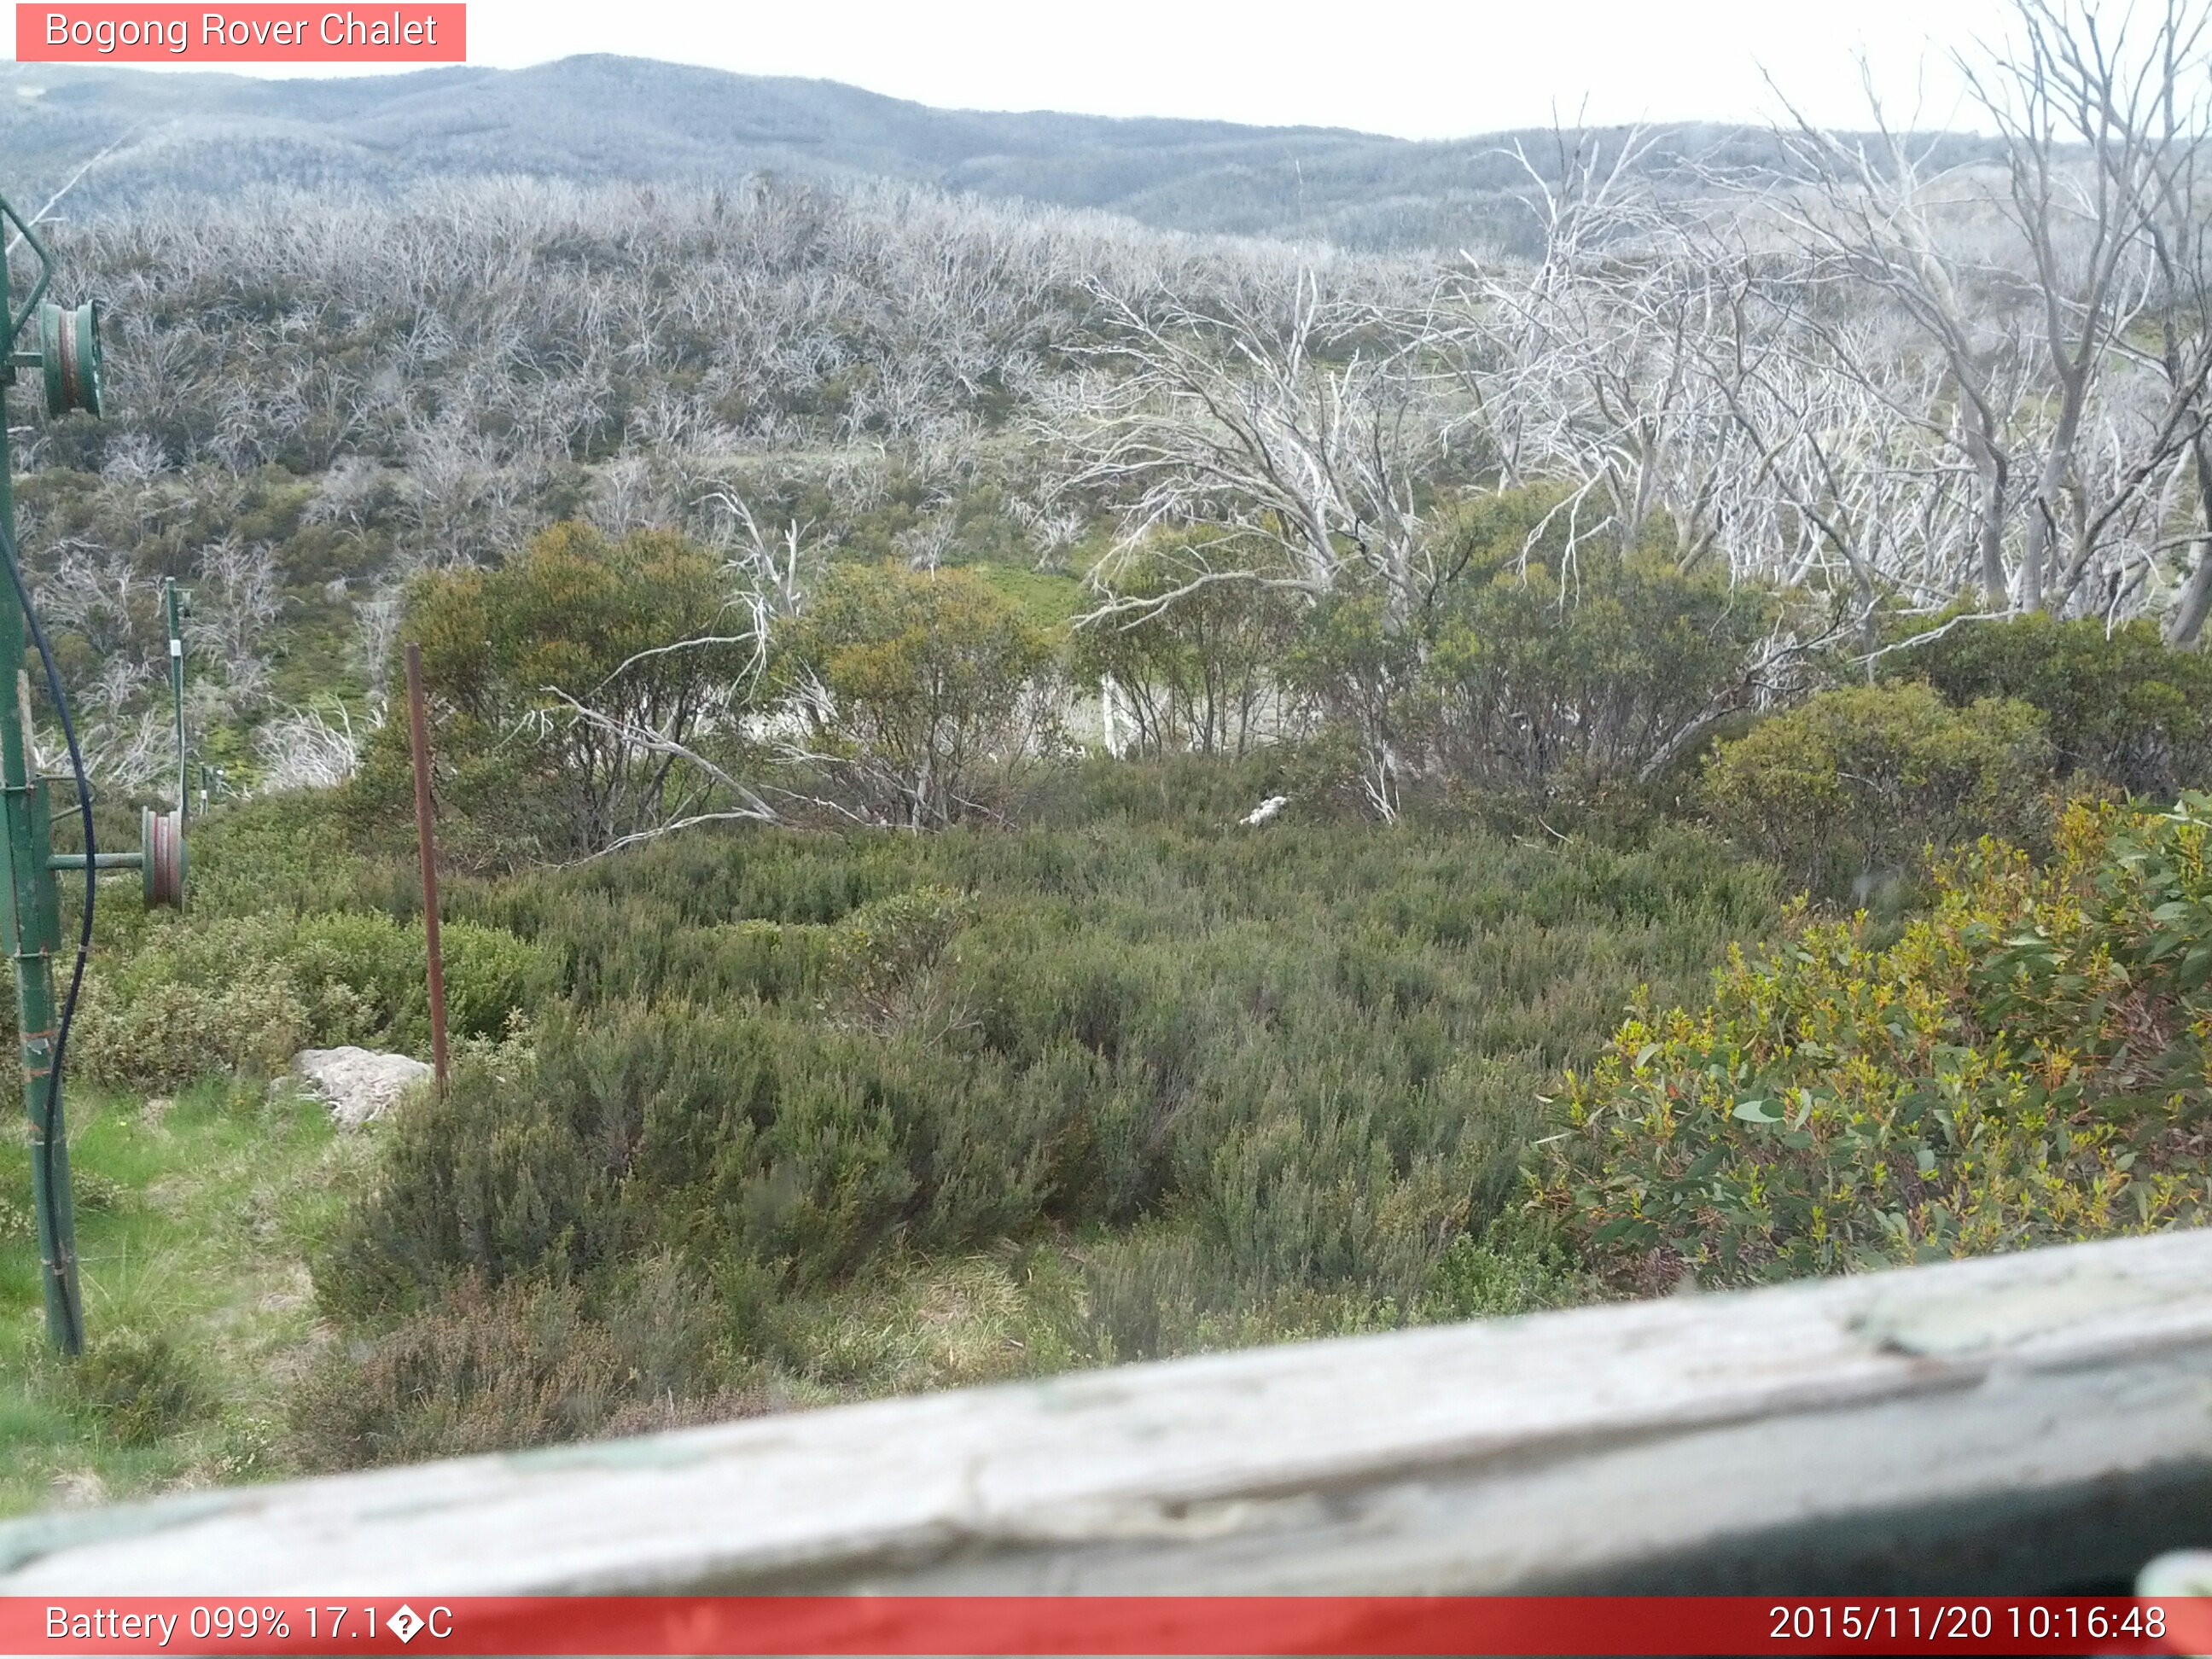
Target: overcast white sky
{"type": "Point", "coordinates": [1421, 69]}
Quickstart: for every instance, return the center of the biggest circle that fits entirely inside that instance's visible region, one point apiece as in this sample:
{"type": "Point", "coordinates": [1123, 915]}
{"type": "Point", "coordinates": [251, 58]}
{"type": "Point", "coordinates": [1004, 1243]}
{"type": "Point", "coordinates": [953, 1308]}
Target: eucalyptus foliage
{"type": "Point", "coordinates": [2027, 1064]}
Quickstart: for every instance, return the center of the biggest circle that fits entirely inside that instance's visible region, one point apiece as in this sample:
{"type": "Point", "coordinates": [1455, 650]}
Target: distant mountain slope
{"type": "Point", "coordinates": [600, 119]}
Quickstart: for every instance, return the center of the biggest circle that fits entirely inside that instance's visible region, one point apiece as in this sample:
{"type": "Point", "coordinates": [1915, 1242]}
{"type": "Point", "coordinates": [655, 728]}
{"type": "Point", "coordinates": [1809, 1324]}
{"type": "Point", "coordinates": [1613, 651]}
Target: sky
{"type": "Point", "coordinates": [1417, 68]}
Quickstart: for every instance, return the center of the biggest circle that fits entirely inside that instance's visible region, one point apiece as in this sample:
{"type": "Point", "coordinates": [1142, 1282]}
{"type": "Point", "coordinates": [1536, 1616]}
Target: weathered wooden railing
{"type": "Point", "coordinates": [2036, 1422]}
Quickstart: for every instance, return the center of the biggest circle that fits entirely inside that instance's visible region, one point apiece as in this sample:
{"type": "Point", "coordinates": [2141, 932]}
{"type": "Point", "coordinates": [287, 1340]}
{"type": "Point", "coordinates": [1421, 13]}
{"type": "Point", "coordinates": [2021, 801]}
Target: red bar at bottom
{"type": "Point", "coordinates": [1012, 1624]}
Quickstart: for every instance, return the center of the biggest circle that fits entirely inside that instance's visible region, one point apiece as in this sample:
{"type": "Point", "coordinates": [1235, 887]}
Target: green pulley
{"type": "Point", "coordinates": [69, 349]}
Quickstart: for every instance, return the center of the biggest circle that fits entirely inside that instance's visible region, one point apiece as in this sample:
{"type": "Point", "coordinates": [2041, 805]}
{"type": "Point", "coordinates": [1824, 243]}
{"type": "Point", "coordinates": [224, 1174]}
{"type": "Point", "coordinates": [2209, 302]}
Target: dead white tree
{"type": "Point", "coordinates": [2033, 283]}
{"type": "Point", "coordinates": [237, 597]}
{"type": "Point", "coordinates": [303, 749]}
{"type": "Point", "coordinates": [1310, 429]}
{"type": "Point", "coordinates": [659, 734]}
{"type": "Point", "coordinates": [770, 568]}
{"type": "Point", "coordinates": [2120, 92]}
{"type": "Point", "coordinates": [684, 787]}
{"type": "Point", "coordinates": [1588, 367]}
{"type": "Point", "coordinates": [1887, 219]}
{"type": "Point", "coordinates": [2177, 228]}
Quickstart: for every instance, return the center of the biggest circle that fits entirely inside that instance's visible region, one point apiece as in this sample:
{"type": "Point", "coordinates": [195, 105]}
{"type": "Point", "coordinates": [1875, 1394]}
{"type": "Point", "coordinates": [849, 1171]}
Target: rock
{"type": "Point", "coordinates": [360, 1084]}
{"type": "Point", "coordinates": [1265, 810]}
{"type": "Point", "coordinates": [79, 1488]}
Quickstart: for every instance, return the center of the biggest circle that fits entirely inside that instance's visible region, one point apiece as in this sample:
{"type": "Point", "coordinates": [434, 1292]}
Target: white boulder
{"type": "Point", "coordinates": [360, 1084]}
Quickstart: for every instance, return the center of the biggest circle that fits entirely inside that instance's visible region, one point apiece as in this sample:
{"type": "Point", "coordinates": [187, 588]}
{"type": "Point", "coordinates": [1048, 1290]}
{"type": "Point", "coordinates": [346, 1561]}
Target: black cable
{"type": "Point", "coordinates": [9, 557]}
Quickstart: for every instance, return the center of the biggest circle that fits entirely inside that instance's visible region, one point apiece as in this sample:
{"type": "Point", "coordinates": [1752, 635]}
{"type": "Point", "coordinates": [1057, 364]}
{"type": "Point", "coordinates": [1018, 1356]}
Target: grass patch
{"type": "Point", "coordinates": [1052, 600]}
{"type": "Point", "coordinates": [195, 1218]}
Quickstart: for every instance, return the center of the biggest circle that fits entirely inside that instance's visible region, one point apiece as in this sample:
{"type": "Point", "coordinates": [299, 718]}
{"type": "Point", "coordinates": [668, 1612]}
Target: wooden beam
{"type": "Point", "coordinates": [2031, 1422]}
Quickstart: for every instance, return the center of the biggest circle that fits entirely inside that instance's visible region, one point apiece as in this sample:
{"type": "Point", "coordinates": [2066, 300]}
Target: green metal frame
{"type": "Point", "coordinates": [30, 904]}
{"type": "Point", "coordinates": [28, 893]}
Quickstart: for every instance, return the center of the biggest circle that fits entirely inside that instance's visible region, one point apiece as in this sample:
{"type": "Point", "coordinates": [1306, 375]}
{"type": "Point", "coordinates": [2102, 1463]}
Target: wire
{"type": "Point", "coordinates": [9, 557]}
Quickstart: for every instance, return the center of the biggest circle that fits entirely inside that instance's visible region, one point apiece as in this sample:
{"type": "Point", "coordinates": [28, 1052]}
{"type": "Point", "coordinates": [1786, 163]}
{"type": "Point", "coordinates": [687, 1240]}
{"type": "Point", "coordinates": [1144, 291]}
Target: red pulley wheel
{"type": "Point", "coordinates": [163, 870]}
{"type": "Point", "coordinates": [69, 347]}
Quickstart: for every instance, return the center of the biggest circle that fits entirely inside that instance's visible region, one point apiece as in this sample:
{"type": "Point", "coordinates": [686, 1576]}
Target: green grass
{"type": "Point", "coordinates": [195, 1216]}
{"type": "Point", "coordinates": [1051, 600]}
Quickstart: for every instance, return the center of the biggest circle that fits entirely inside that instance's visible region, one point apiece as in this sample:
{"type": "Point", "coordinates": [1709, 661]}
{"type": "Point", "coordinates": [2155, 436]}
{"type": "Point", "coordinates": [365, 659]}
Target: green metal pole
{"type": "Point", "coordinates": [30, 928]}
{"type": "Point", "coordinates": [177, 693]}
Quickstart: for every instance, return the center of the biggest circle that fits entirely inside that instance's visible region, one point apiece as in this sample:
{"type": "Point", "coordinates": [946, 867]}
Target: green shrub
{"type": "Point", "coordinates": [799, 1149]}
{"type": "Point", "coordinates": [244, 993]}
{"type": "Point", "coordinates": [1501, 1274]}
{"type": "Point", "coordinates": [915, 687]}
{"type": "Point", "coordinates": [2120, 706]}
{"type": "Point", "coordinates": [1530, 671]}
{"type": "Point", "coordinates": [152, 1027]}
{"type": "Point", "coordinates": [2026, 1065]}
{"type": "Point", "coordinates": [877, 955]}
{"type": "Point", "coordinates": [508, 653]}
{"type": "Point", "coordinates": [492, 1369]}
{"type": "Point", "coordinates": [295, 851]}
{"type": "Point", "coordinates": [1317, 1055]}
{"type": "Point", "coordinates": [140, 1388]}
{"type": "Point", "coordinates": [372, 971]}
{"type": "Point", "coordinates": [1361, 674]}
{"type": "Point", "coordinates": [1149, 1294]}
{"type": "Point", "coordinates": [1161, 1290]}
{"type": "Point", "coordinates": [1848, 787]}
{"type": "Point", "coordinates": [1560, 675]}
{"type": "Point", "coordinates": [1197, 673]}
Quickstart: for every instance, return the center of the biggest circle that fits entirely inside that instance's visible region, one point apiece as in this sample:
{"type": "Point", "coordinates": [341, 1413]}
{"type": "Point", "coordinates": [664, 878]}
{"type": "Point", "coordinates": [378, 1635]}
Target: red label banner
{"type": "Point", "coordinates": [259, 33]}
{"type": "Point", "coordinates": [1195, 1625]}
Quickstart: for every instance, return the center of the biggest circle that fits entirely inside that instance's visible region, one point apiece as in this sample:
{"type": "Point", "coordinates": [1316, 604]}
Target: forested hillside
{"type": "Point", "coordinates": [601, 121]}
{"type": "Point", "coordinates": [1019, 790]}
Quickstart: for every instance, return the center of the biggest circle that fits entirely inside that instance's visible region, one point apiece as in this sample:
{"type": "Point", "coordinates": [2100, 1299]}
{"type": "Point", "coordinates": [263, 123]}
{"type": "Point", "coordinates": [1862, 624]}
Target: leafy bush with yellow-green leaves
{"type": "Point", "coordinates": [2026, 1064]}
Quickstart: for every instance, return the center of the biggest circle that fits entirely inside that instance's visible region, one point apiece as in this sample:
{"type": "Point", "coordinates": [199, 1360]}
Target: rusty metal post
{"type": "Point", "coordinates": [418, 727]}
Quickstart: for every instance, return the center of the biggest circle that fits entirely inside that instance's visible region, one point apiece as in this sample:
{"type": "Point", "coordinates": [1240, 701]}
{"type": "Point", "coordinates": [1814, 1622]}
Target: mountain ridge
{"type": "Point", "coordinates": [604, 118]}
